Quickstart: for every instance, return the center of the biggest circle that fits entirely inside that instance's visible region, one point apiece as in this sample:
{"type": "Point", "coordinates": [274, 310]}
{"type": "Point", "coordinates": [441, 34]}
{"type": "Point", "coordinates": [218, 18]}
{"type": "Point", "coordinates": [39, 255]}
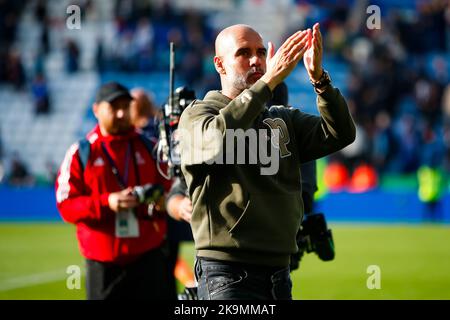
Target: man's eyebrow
{"type": "Point", "coordinates": [242, 50]}
{"type": "Point", "coordinates": [246, 49]}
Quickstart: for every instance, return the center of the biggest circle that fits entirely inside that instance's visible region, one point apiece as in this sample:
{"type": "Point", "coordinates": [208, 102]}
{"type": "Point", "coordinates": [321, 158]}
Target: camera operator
{"type": "Point", "coordinates": [179, 205]}
{"type": "Point", "coordinates": [148, 119]}
{"type": "Point", "coordinates": [109, 187]}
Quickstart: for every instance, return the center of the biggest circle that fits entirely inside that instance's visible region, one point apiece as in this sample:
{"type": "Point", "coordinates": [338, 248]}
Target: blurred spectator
{"type": "Point", "coordinates": [51, 172]}
{"type": "Point", "coordinates": [192, 66]}
{"type": "Point", "coordinates": [144, 35]}
{"type": "Point", "coordinates": [166, 13]}
{"type": "Point", "coordinates": [440, 70]}
{"type": "Point", "coordinates": [42, 17]}
{"type": "Point", "coordinates": [446, 138]}
{"type": "Point", "coordinates": [384, 147]}
{"type": "Point", "coordinates": [72, 56]}
{"type": "Point", "coordinates": [9, 14]}
{"type": "Point", "coordinates": [15, 73]}
{"type": "Point", "coordinates": [433, 147]}
{"type": "Point", "coordinates": [126, 52]}
{"type": "Point", "coordinates": [143, 40]}
{"type": "Point", "coordinates": [125, 9]}
{"type": "Point", "coordinates": [408, 139]}
{"type": "Point", "coordinates": [45, 39]}
{"type": "Point", "coordinates": [41, 95]}
{"type": "Point", "coordinates": [39, 63]}
{"type": "Point", "coordinates": [100, 56]}
{"type": "Point", "coordinates": [40, 11]}
{"type": "Point", "coordinates": [430, 192]}
{"type": "Point", "coordinates": [428, 94]}
{"type": "Point", "coordinates": [87, 9]}
{"type": "Point", "coordinates": [19, 174]}
{"type": "Point", "coordinates": [144, 113]}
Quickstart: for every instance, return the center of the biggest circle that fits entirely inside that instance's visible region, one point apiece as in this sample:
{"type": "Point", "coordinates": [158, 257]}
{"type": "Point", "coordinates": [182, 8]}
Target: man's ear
{"type": "Point", "coordinates": [218, 64]}
{"type": "Point", "coordinates": [95, 108]}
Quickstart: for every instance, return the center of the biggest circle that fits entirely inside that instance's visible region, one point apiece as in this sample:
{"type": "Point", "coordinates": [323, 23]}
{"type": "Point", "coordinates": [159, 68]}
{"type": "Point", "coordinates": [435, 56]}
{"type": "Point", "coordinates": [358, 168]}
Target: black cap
{"type": "Point", "coordinates": [111, 91]}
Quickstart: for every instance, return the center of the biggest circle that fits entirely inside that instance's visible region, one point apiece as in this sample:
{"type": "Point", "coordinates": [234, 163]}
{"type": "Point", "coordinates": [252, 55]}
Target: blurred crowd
{"type": "Point", "coordinates": [12, 70]}
{"type": "Point", "coordinates": [143, 31]}
{"type": "Point", "coordinates": [398, 86]}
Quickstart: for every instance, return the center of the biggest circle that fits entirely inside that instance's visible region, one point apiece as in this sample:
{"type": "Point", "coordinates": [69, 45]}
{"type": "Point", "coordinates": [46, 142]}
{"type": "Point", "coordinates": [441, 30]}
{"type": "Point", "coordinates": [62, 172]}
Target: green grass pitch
{"type": "Point", "coordinates": [414, 263]}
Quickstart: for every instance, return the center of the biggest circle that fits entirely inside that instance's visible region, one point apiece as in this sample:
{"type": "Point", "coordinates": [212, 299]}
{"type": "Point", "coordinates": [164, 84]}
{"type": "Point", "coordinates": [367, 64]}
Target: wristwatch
{"type": "Point", "coordinates": [323, 81]}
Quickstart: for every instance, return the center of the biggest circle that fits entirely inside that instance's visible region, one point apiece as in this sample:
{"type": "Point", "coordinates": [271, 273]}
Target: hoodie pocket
{"type": "Point", "coordinates": [268, 223]}
{"type": "Point", "coordinates": [242, 216]}
{"type": "Point", "coordinates": [226, 204]}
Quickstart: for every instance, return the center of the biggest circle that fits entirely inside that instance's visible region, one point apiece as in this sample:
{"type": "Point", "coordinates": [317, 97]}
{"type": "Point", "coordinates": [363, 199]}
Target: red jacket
{"type": "Point", "coordinates": [82, 197]}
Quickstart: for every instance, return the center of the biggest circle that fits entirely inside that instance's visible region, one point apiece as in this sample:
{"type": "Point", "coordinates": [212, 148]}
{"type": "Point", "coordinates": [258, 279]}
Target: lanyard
{"type": "Point", "coordinates": [122, 180]}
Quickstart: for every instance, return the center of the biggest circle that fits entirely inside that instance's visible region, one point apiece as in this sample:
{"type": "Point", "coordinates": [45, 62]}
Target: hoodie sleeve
{"type": "Point", "coordinates": [334, 129]}
{"type": "Point", "coordinates": [73, 199]}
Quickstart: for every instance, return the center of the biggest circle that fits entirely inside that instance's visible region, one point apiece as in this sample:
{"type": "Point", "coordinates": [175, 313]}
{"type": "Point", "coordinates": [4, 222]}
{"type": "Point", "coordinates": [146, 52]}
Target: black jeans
{"type": "Point", "coordinates": [223, 280]}
{"type": "Point", "coordinates": [144, 279]}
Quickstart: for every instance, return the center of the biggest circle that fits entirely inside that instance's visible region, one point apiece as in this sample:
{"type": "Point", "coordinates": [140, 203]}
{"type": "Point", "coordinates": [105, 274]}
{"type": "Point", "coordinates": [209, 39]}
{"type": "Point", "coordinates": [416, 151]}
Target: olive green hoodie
{"type": "Point", "coordinates": [240, 214]}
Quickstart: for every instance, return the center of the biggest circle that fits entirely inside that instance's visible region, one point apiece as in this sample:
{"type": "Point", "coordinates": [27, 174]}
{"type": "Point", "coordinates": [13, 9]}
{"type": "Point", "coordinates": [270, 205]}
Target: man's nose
{"type": "Point", "coordinates": [255, 60]}
{"type": "Point", "coordinates": [120, 113]}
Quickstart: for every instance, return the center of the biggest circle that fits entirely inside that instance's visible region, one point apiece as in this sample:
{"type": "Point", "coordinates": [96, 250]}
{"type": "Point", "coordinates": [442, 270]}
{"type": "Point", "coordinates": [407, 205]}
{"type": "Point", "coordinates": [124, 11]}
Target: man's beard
{"type": "Point", "coordinates": [243, 81]}
{"type": "Point", "coordinates": [120, 128]}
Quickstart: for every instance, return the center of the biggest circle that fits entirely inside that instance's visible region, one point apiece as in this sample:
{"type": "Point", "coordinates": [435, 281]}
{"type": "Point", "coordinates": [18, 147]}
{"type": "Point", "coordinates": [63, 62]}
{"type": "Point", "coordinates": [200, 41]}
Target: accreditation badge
{"type": "Point", "coordinates": [127, 225]}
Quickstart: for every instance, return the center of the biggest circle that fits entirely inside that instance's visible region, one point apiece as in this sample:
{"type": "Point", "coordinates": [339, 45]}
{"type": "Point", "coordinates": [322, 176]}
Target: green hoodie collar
{"type": "Point", "coordinates": [217, 96]}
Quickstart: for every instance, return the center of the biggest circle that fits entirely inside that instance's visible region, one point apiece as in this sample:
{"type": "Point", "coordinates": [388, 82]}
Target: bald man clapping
{"type": "Point", "coordinates": [246, 211]}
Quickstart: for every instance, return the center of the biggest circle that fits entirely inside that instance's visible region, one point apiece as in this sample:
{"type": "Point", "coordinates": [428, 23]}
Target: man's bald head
{"type": "Point", "coordinates": [240, 58]}
{"type": "Point", "coordinates": [228, 36]}
{"type": "Point", "coordinates": [142, 106]}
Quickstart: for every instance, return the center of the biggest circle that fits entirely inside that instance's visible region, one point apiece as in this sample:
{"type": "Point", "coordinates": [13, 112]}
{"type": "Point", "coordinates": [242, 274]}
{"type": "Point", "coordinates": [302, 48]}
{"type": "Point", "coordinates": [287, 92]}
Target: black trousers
{"type": "Point", "coordinates": [144, 279]}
